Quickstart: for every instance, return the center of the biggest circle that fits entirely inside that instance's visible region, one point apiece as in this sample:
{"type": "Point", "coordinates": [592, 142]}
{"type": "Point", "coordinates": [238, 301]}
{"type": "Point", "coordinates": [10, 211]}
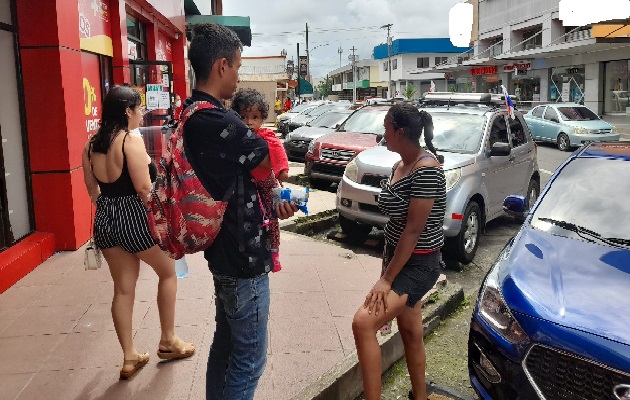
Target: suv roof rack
{"type": "Point", "coordinates": [456, 98]}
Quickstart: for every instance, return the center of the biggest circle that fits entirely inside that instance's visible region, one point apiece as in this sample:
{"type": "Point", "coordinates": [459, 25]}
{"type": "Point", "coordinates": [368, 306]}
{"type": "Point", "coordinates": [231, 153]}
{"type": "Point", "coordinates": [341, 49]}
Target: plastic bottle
{"type": "Point", "coordinates": [299, 196]}
{"type": "Point", "coordinates": [181, 268]}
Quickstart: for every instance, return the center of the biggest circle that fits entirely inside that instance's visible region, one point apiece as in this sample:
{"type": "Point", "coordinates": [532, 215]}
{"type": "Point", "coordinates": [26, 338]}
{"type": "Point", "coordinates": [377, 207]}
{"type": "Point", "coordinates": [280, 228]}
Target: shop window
{"type": "Point", "coordinates": [518, 133]}
{"type": "Point", "coordinates": [567, 84]}
{"type": "Point", "coordinates": [136, 38]}
{"type": "Point", "coordinates": [498, 133]}
{"type": "Point", "coordinates": [395, 63]}
{"type": "Point", "coordinates": [538, 111]}
{"type": "Point", "coordinates": [551, 115]}
{"type": "Point", "coordinates": [385, 68]}
{"type": "Point", "coordinates": [423, 62]}
{"type": "Point", "coordinates": [532, 38]}
{"type": "Point", "coordinates": [617, 83]}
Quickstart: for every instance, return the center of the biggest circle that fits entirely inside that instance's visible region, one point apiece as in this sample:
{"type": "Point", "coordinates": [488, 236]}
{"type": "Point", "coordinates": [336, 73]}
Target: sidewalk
{"type": "Point", "coordinates": [57, 338]}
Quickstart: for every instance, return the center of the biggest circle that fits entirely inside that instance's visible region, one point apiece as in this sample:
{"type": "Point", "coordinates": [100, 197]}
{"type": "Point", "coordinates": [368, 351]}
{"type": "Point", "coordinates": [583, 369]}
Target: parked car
{"type": "Point", "coordinates": [327, 156]}
{"type": "Point", "coordinates": [569, 125]}
{"type": "Point", "coordinates": [551, 319]}
{"type": "Point", "coordinates": [487, 156]}
{"type": "Point", "coordinates": [309, 115]}
{"type": "Point", "coordinates": [282, 121]}
{"type": "Point", "coordinates": [296, 143]}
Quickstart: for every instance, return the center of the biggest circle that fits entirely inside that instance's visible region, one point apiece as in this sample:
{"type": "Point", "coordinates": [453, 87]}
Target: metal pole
{"type": "Point", "coordinates": [298, 72]}
{"type": "Point", "coordinates": [354, 77]}
{"type": "Point", "coordinates": [389, 60]}
{"type": "Point", "coordinates": [308, 58]}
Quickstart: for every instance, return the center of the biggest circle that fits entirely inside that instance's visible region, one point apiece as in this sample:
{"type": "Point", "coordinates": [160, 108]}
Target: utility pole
{"type": "Point", "coordinates": [389, 60]}
{"type": "Point", "coordinates": [354, 77]}
{"type": "Point", "coordinates": [299, 72]}
{"type": "Point", "coordinates": [308, 58]}
{"type": "Point", "coordinates": [340, 51]}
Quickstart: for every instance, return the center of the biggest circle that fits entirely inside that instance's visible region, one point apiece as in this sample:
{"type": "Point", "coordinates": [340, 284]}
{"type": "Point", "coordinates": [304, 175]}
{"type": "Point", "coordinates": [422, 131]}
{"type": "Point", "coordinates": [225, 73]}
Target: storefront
{"type": "Point", "coordinates": [566, 84]}
{"type": "Point", "coordinates": [616, 87]}
{"type": "Point", "coordinates": [70, 53]}
{"type": "Point", "coordinates": [485, 79]}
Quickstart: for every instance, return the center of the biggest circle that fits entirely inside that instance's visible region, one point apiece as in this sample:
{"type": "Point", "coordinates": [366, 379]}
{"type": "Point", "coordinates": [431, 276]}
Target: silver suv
{"type": "Point", "coordinates": [487, 156]}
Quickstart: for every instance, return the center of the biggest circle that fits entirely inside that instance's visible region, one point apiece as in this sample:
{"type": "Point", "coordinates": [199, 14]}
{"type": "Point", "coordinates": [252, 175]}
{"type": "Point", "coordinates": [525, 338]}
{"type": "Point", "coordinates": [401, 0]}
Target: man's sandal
{"type": "Point", "coordinates": [175, 349]}
{"type": "Point", "coordinates": [137, 364]}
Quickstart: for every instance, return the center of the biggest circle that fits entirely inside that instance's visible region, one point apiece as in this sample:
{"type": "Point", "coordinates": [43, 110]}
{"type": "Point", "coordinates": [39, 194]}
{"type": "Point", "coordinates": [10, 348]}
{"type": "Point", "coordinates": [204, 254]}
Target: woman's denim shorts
{"type": "Point", "coordinates": [417, 276]}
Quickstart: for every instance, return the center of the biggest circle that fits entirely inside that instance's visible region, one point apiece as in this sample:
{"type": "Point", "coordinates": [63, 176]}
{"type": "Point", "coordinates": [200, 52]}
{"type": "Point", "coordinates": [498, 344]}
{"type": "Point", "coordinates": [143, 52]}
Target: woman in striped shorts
{"type": "Point", "coordinates": [414, 198]}
{"type": "Point", "coordinates": [116, 170]}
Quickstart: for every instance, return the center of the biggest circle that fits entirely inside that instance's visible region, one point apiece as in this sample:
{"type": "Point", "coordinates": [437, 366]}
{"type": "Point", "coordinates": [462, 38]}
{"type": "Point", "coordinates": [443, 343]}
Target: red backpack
{"type": "Point", "coordinates": [183, 217]}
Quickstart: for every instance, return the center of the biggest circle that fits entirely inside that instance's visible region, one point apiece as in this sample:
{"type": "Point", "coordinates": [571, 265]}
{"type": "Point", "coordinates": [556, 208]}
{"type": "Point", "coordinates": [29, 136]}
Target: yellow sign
{"type": "Point", "coordinates": [610, 31]}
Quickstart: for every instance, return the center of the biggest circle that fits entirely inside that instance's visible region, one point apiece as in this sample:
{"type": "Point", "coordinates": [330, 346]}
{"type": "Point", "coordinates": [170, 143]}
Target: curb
{"type": "Point", "coordinates": [311, 224]}
{"type": "Point", "coordinates": [344, 382]}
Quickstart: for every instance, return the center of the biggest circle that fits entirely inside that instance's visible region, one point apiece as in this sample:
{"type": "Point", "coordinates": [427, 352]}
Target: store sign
{"type": "Point", "coordinates": [91, 91]}
{"type": "Point", "coordinates": [516, 67]}
{"type": "Point", "coordinates": [95, 29]}
{"type": "Point", "coordinates": [492, 69]}
{"type": "Point", "coordinates": [448, 75]}
{"type": "Point", "coordinates": [163, 48]}
{"type": "Point", "coordinates": [492, 77]}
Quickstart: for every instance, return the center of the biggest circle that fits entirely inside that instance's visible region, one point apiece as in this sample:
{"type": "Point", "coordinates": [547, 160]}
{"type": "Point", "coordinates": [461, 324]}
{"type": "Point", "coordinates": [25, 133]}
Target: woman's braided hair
{"type": "Point", "coordinates": [413, 122]}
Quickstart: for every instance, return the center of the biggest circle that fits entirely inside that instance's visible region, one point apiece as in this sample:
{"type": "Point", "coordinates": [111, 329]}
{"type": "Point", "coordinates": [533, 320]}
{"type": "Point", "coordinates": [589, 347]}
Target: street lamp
{"type": "Point", "coordinates": [389, 59]}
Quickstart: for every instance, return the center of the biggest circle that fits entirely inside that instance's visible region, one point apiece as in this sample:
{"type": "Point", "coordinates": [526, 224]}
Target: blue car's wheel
{"type": "Point", "coordinates": [564, 144]}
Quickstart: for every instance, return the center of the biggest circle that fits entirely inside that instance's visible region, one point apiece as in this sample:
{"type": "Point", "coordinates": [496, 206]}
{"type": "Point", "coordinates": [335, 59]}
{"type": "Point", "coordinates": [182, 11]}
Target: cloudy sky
{"type": "Point", "coordinates": [278, 25]}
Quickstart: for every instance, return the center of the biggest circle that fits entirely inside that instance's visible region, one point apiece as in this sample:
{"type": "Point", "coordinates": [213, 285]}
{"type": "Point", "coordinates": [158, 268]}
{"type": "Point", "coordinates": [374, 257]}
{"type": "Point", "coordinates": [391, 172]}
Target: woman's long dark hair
{"type": "Point", "coordinates": [114, 117]}
{"type": "Point", "coordinates": [413, 122]}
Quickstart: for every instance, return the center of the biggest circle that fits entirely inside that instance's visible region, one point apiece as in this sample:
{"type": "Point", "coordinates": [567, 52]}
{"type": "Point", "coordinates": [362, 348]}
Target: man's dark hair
{"type": "Point", "coordinates": [210, 43]}
{"type": "Point", "coordinates": [246, 99]}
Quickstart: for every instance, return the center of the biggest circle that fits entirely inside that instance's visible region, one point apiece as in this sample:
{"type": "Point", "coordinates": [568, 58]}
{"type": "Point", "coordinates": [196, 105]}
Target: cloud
{"type": "Point", "coordinates": [278, 25]}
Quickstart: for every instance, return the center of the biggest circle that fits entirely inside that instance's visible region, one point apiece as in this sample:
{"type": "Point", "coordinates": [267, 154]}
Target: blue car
{"type": "Point", "coordinates": [552, 320]}
{"type": "Point", "coordinates": [568, 125]}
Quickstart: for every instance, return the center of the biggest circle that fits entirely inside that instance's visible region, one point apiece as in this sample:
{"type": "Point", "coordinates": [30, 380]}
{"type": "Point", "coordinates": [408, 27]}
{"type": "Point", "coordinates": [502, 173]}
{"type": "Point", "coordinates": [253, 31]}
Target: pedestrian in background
{"type": "Point", "coordinates": [118, 173]}
{"type": "Point", "coordinates": [223, 153]}
{"type": "Point", "coordinates": [287, 104]}
{"type": "Point", "coordinates": [277, 106]}
{"type": "Point", "coordinates": [414, 198]}
{"type": "Point", "coordinates": [253, 109]}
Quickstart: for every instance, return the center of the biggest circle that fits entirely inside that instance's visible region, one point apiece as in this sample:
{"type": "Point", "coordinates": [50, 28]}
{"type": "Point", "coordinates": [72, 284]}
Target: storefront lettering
{"type": "Point", "coordinates": [521, 66]}
{"type": "Point", "coordinates": [484, 70]}
{"type": "Point", "coordinates": [89, 99]}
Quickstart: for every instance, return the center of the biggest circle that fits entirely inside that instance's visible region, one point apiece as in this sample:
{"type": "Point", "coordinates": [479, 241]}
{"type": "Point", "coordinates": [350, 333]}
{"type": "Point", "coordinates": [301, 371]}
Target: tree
{"type": "Point", "coordinates": [410, 91]}
{"type": "Point", "coordinates": [325, 87]}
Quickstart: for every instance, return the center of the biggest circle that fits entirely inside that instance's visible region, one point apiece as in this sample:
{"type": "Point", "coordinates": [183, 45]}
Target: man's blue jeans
{"type": "Point", "coordinates": [239, 348]}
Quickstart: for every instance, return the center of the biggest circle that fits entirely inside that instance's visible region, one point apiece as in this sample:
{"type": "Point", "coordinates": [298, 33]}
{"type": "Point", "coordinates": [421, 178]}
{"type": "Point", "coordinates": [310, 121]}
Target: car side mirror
{"type": "Point", "coordinates": [515, 206]}
{"type": "Point", "coordinates": [379, 138]}
{"type": "Point", "coordinates": [500, 149]}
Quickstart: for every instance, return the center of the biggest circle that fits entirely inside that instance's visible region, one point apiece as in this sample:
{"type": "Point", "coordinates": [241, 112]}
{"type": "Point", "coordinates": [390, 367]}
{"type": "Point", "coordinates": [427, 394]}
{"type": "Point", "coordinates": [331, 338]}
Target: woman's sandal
{"type": "Point", "coordinates": [175, 349]}
{"type": "Point", "coordinates": [137, 364]}
{"type": "Point", "coordinates": [386, 329]}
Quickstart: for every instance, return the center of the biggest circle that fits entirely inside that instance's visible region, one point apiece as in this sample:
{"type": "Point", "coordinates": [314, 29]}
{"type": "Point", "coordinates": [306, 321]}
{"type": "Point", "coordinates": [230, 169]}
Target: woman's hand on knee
{"type": "Point", "coordinates": [377, 297]}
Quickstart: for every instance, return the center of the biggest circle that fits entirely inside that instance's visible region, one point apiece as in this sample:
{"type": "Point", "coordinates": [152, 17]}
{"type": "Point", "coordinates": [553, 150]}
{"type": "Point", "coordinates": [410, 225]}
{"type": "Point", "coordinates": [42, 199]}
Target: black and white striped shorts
{"type": "Point", "coordinates": [122, 221]}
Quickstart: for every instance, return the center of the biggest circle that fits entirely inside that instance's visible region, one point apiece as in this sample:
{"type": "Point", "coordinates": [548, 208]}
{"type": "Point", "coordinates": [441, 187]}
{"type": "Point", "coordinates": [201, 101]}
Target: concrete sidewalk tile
{"type": "Point", "coordinates": [292, 307]}
{"type": "Point", "coordinates": [195, 287]}
{"type": "Point", "coordinates": [46, 321]}
{"type": "Point", "coordinates": [27, 353]}
{"type": "Point", "coordinates": [264, 390]}
{"type": "Point", "coordinates": [345, 303]}
{"type": "Point", "coordinates": [86, 350]}
{"type": "Point", "coordinates": [311, 334]}
{"type": "Point", "coordinates": [77, 275]}
{"type": "Point", "coordinates": [188, 312]}
{"type": "Point", "coordinates": [293, 372]}
{"type": "Point", "coordinates": [22, 297]}
{"type": "Point", "coordinates": [68, 384]}
{"type": "Point", "coordinates": [40, 278]}
{"type": "Point", "coordinates": [98, 318]}
{"type": "Point", "coordinates": [72, 294]}
{"type": "Point", "coordinates": [8, 316]}
{"type": "Point", "coordinates": [12, 384]}
{"type": "Point", "coordinates": [294, 278]}
{"type": "Point", "coordinates": [344, 329]}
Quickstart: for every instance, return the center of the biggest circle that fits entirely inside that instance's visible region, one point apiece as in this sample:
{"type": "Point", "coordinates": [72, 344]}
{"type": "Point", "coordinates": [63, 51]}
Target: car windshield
{"type": "Point", "coordinates": [457, 133]}
{"type": "Point", "coordinates": [588, 193]}
{"type": "Point", "coordinates": [368, 120]}
{"type": "Point", "coordinates": [300, 108]}
{"type": "Point", "coordinates": [577, 114]}
{"type": "Point", "coordinates": [316, 112]}
{"type": "Point", "coordinates": [329, 119]}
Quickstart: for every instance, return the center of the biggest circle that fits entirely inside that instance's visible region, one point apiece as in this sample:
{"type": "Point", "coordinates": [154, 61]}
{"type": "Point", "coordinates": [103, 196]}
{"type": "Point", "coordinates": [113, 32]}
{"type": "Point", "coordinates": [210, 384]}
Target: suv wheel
{"type": "Point", "coordinates": [464, 246]}
{"type": "Point", "coordinates": [533, 191]}
{"type": "Point", "coordinates": [354, 229]}
{"type": "Point", "coordinates": [564, 144]}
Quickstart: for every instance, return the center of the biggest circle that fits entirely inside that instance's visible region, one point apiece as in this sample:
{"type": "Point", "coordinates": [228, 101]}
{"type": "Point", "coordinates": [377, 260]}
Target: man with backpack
{"type": "Point", "coordinates": [223, 153]}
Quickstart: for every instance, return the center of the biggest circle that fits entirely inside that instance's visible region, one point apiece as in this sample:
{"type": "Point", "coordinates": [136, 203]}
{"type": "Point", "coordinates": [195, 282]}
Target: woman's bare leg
{"type": "Point", "coordinates": [411, 332]}
{"type": "Point", "coordinates": [364, 327]}
{"type": "Point", "coordinates": [124, 268]}
{"type": "Point", "coordinates": [164, 267]}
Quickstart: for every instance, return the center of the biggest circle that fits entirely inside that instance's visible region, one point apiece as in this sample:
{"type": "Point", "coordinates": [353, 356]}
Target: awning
{"type": "Point", "coordinates": [305, 87]}
{"type": "Point", "coordinates": [568, 48]}
{"type": "Point", "coordinates": [240, 25]}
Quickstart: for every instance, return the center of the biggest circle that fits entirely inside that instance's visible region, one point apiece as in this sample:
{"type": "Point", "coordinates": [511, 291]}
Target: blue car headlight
{"type": "Point", "coordinates": [494, 310]}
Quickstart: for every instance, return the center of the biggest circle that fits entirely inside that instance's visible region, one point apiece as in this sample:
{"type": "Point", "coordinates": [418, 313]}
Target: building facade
{"type": "Point", "coordinates": [368, 81]}
{"type": "Point", "coordinates": [268, 75]}
{"type": "Point", "coordinates": [58, 59]}
{"type": "Point", "coordinates": [524, 46]}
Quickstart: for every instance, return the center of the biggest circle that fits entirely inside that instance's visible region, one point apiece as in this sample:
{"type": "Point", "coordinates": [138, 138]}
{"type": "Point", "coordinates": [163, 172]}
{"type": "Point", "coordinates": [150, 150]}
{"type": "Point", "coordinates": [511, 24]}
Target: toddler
{"type": "Point", "coordinates": [253, 109]}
